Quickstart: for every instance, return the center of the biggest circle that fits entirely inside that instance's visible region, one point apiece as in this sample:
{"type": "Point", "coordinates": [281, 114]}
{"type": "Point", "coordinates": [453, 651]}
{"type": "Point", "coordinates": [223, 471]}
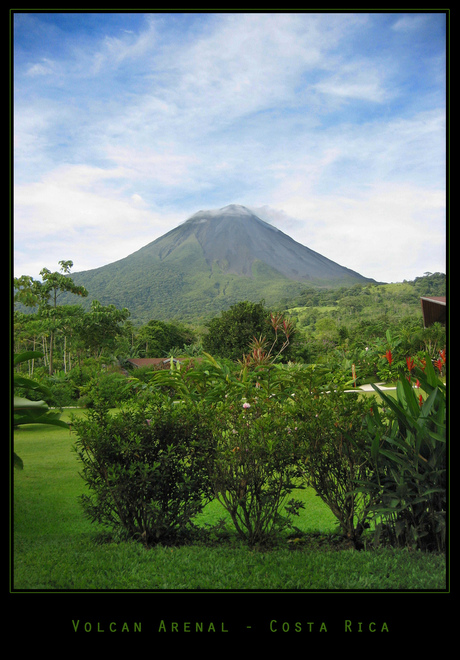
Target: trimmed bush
{"type": "Point", "coordinates": [146, 468]}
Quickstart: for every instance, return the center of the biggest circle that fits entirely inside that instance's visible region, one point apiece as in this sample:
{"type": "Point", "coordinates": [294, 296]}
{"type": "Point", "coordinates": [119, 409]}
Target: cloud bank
{"type": "Point", "coordinates": [334, 123]}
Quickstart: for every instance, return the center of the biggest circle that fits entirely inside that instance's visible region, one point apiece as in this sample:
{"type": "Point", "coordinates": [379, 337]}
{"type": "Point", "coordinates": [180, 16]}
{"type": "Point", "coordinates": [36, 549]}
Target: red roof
{"type": "Point", "coordinates": [151, 362]}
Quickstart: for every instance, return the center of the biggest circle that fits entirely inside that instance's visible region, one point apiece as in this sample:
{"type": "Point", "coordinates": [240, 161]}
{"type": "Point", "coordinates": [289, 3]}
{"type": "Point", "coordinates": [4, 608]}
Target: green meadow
{"type": "Point", "coordinates": [54, 547]}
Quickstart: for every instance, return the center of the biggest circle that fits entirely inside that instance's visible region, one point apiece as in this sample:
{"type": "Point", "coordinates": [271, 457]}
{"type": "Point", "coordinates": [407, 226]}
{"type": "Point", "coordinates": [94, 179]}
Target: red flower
{"type": "Point", "coordinates": [438, 363]}
{"type": "Point", "coordinates": [443, 355]}
{"type": "Point", "coordinates": [410, 363]}
{"type": "Point", "coordinates": [389, 356]}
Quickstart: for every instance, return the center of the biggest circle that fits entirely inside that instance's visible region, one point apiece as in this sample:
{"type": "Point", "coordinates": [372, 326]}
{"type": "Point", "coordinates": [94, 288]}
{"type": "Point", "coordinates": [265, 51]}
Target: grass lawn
{"type": "Point", "coordinates": [54, 547]}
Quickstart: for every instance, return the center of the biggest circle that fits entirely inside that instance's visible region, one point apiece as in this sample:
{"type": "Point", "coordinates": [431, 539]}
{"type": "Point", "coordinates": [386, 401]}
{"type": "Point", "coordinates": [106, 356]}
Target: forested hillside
{"type": "Point", "coordinates": [346, 328]}
{"type": "Point", "coordinates": [337, 321]}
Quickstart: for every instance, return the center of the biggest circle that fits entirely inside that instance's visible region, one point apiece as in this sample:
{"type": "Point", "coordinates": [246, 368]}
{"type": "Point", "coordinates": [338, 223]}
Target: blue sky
{"type": "Point", "coordinates": [332, 126]}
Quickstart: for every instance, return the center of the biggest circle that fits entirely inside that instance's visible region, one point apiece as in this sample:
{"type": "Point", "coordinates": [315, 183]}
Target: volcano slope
{"type": "Point", "coordinates": [213, 260]}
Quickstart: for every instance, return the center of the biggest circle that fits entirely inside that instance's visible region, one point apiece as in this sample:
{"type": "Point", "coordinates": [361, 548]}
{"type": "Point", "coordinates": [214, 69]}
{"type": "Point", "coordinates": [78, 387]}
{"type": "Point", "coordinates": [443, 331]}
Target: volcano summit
{"type": "Point", "coordinates": [211, 261]}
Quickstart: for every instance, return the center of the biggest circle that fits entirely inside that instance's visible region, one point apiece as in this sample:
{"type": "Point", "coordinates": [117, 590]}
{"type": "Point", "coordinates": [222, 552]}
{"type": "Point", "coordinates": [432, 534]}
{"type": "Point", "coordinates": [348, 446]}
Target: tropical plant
{"type": "Point", "coordinates": [407, 444]}
{"type": "Point", "coordinates": [264, 352]}
{"type": "Point", "coordinates": [45, 294]}
{"type": "Point", "coordinates": [253, 466]}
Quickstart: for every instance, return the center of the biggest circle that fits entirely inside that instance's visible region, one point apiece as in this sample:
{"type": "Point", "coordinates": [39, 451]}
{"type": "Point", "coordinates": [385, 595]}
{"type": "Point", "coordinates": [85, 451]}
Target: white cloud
{"type": "Point", "coordinates": [410, 22]}
{"type": "Point", "coordinates": [44, 68]}
{"type": "Point", "coordinates": [165, 168]}
{"type": "Point", "coordinates": [357, 80]}
{"type": "Point", "coordinates": [73, 214]}
{"type": "Point", "coordinates": [380, 232]}
{"type": "Point", "coordinates": [122, 132]}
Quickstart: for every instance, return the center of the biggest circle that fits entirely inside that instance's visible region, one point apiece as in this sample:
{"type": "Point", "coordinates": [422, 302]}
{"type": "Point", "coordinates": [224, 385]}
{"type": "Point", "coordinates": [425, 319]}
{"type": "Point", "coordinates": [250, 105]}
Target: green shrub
{"type": "Point", "coordinates": [146, 468]}
{"type": "Point", "coordinates": [63, 391]}
{"type": "Point", "coordinates": [332, 436]}
{"type": "Point", "coordinates": [106, 388]}
{"type": "Point", "coordinates": [254, 470]}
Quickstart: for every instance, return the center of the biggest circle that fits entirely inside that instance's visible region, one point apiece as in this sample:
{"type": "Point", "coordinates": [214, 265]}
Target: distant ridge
{"type": "Point", "coordinates": [215, 258]}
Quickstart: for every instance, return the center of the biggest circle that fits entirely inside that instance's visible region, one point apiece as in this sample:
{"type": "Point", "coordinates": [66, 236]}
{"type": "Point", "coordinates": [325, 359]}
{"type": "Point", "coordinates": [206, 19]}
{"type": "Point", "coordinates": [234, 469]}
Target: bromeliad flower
{"type": "Point", "coordinates": [410, 363]}
{"type": "Point", "coordinates": [389, 356]}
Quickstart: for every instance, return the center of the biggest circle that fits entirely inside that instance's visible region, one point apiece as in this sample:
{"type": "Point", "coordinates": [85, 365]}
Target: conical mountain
{"type": "Point", "coordinates": [211, 261]}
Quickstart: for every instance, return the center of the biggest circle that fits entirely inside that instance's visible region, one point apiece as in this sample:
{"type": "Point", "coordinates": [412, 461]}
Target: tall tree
{"type": "Point", "coordinates": [45, 295]}
{"type": "Point", "coordinates": [100, 327]}
{"type": "Point", "coordinates": [232, 333]}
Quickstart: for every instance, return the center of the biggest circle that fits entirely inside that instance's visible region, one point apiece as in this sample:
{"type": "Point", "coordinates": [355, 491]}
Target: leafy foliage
{"type": "Point", "coordinates": [352, 323]}
{"type": "Point", "coordinates": [408, 450]}
{"type": "Point", "coordinates": [298, 424]}
{"type": "Point", "coordinates": [158, 338]}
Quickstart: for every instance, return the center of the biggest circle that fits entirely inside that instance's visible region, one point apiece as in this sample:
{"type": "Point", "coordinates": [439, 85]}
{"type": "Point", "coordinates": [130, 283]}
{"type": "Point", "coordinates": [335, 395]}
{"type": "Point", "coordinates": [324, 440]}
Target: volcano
{"type": "Point", "coordinates": [214, 259]}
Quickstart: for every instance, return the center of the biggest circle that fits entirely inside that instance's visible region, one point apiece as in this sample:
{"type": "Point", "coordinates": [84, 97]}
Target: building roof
{"type": "Point", "coordinates": [151, 362]}
{"type": "Point", "coordinates": [433, 309]}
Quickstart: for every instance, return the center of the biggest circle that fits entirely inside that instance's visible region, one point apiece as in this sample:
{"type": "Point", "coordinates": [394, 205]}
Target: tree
{"type": "Point", "coordinates": [26, 290]}
{"type": "Point", "coordinates": [232, 334]}
{"type": "Point", "coordinates": [45, 294]}
{"type": "Point", "coordinates": [158, 338]}
{"type": "Point", "coordinates": [54, 284]}
{"type": "Point", "coordinates": [100, 327]}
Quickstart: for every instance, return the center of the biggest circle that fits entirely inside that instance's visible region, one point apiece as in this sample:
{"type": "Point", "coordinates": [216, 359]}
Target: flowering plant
{"type": "Point", "coordinates": [408, 449]}
{"type": "Point", "coordinates": [253, 472]}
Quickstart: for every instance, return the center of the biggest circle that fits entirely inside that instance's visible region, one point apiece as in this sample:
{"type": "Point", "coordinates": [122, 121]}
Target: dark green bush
{"type": "Point", "coordinates": [146, 469]}
{"type": "Point", "coordinates": [105, 388]}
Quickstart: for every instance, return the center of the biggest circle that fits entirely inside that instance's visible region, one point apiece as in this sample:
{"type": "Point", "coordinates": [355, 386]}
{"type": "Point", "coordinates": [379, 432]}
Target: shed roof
{"type": "Point", "coordinates": [433, 309]}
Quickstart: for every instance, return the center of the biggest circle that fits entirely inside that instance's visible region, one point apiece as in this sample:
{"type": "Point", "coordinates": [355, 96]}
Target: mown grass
{"type": "Point", "coordinates": [54, 547]}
